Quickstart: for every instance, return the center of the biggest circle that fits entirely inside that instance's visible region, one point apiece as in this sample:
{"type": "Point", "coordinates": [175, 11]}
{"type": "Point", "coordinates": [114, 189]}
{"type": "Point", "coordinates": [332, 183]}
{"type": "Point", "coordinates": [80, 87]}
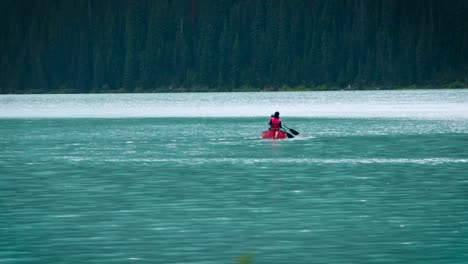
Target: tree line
{"type": "Point", "coordinates": [229, 45]}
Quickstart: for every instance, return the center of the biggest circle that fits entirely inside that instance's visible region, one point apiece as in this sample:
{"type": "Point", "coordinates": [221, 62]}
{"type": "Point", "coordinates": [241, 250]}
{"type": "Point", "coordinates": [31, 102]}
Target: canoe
{"type": "Point", "coordinates": [269, 134]}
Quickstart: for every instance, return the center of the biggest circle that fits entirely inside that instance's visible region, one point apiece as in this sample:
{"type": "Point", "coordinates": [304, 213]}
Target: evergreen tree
{"type": "Point", "coordinates": [110, 45]}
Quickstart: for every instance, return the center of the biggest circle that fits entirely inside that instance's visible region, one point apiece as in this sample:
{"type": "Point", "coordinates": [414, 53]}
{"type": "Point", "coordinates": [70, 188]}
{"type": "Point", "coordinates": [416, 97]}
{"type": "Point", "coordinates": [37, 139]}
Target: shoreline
{"type": "Point", "coordinates": [454, 86]}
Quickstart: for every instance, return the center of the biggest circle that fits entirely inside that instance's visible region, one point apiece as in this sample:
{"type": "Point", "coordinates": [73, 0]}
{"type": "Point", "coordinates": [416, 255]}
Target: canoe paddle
{"type": "Point", "coordinates": [292, 130]}
{"type": "Point", "coordinates": [288, 134]}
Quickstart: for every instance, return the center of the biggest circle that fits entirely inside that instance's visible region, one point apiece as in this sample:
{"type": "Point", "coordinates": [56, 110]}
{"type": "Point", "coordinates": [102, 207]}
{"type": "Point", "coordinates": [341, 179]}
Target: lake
{"type": "Point", "coordinates": [373, 177]}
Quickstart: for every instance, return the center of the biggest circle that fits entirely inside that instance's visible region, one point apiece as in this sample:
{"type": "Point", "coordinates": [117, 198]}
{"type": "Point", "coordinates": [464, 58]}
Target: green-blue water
{"type": "Point", "coordinates": [208, 190]}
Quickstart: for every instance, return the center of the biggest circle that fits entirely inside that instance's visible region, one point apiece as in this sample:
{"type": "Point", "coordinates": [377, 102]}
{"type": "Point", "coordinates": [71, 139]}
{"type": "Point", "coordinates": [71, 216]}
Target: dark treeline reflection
{"type": "Point", "coordinates": [224, 45]}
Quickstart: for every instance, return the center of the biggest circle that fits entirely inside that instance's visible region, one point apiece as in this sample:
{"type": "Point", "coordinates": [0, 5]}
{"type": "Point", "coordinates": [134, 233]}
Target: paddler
{"type": "Point", "coordinates": [275, 123]}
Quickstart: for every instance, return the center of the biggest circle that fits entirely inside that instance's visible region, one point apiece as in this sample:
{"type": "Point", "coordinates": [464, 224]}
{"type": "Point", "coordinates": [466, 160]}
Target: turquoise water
{"type": "Point", "coordinates": [143, 179]}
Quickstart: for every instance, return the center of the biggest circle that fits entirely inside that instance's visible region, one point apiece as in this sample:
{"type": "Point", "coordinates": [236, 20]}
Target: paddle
{"type": "Point", "coordinates": [292, 130]}
{"type": "Point", "coordinates": [288, 134]}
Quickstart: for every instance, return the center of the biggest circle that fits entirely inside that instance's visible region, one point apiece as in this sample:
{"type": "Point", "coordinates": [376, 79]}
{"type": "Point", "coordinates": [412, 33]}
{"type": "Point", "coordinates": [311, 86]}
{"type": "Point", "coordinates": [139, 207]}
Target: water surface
{"type": "Point", "coordinates": [186, 178]}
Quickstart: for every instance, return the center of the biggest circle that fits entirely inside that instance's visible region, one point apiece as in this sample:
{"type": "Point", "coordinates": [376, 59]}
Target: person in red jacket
{"type": "Point", "coordinates": [275, 122]}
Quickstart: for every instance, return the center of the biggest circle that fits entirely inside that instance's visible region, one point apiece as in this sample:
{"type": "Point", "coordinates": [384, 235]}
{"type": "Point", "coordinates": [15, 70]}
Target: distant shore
{"type": "Point", "coordinates": [202, 89]}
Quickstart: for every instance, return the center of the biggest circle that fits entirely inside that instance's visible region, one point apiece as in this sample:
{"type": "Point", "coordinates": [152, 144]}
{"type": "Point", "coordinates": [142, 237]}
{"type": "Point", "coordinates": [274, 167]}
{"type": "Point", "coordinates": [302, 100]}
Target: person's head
{"type": "Point", "coordinates": [276, 114]}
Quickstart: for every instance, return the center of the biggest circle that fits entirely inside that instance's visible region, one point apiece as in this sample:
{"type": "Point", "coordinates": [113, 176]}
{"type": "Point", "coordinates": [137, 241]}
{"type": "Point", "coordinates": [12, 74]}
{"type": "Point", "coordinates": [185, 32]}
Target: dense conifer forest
{"type": "Point", "coordinates": [230, 45]}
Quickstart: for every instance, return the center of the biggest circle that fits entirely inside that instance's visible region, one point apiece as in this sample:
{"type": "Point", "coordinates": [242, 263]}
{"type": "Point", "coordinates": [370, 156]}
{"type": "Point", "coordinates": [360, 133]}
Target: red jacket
{"type": "Point", "coordinates": [275, 123]}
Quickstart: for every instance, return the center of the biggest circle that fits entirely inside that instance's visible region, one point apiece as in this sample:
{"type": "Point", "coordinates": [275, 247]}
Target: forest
{"type": "Point", "coordinates": [84, 46]}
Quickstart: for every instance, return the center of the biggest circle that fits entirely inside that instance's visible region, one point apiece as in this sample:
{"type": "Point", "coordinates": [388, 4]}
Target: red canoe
{"type": "Point", "coordinates": [274, 134]}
